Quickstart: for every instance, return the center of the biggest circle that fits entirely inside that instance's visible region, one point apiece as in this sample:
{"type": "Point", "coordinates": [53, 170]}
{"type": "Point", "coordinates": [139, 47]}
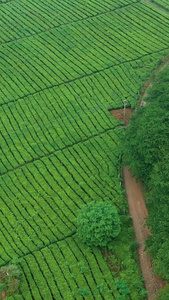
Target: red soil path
{"type": "Point", "coordinates": [138, 211]}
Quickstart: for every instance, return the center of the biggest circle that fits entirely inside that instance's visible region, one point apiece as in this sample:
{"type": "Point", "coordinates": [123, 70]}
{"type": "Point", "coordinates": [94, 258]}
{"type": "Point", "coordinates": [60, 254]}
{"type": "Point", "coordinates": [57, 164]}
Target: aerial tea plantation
{"type": "Point", "coordinates": [162, 3]}
{"type": "Point", "coordinates": [63, 66]}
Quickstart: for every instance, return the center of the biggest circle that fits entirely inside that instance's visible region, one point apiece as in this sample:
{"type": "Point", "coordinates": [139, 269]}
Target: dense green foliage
{"type": "Point", "coordinates": [162, 3]}
{"type": "Point", "coordinates": [63, 65]}
{"type": "Point", "coordinates": [146, 139]}
{"type": "Point", "coordinates": [9, 279]}
{"type": "Point", "coordinates": [145, 148]}
{"type": "Point", "coordinates": [98, 224]}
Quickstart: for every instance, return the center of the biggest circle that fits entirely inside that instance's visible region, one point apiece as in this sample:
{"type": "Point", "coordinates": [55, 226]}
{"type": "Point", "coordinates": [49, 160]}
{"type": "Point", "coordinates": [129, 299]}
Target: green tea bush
{"type": "Point", "coordinates": [134, 245]}
{"type": "Point", "coordinates": [84, 292]}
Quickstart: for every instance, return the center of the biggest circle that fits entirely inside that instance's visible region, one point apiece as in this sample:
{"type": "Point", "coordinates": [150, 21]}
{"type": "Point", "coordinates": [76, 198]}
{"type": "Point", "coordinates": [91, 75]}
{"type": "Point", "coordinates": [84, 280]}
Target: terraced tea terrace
{"type": "Point", "coordinates": [162, 3]}
{"type": "Point", "coordinates": [64, 64]}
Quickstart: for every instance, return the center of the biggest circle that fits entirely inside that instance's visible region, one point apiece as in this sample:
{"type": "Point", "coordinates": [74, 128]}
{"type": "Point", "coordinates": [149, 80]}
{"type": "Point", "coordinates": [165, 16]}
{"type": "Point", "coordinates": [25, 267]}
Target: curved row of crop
{"type": "Point", "coordinates": [31, 17]}
{"type": "Point", "coordinates": [68, 114]}
{"type": "Point", "coordinates": [78, 50]}
{"type": "Point", "coordinates": [162, 3]}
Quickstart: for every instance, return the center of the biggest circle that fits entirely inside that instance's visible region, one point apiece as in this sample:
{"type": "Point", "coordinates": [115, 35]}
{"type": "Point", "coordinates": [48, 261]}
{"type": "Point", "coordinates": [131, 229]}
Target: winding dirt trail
{"type": "Point", "coordinates": [137, 207]}
{"type": "Point", "coordinates": [138, 211]}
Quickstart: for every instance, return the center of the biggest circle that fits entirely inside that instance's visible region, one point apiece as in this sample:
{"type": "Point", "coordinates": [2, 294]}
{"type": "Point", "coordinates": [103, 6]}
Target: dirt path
{"type": "Point", "coordinates": [138, 211]}
{"type": "Point", "coordinates": [137, 207]}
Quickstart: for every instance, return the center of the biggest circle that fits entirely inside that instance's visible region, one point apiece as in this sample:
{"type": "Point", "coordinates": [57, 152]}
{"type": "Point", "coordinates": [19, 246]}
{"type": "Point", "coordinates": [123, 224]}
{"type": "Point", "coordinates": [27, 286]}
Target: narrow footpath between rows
{"type": "Point", "coordinates": [138, 211]}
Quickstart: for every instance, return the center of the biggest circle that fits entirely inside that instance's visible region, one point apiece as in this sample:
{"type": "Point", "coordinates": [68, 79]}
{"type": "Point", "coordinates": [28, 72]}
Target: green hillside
{"type": "Point", "coordinates": [63, 65]}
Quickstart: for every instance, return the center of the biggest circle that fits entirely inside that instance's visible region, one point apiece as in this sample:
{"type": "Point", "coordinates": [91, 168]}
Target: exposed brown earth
{"type": "Point", "coordinates": [3, 296]}
{"type": "Point", "coordinates": [119, 114]}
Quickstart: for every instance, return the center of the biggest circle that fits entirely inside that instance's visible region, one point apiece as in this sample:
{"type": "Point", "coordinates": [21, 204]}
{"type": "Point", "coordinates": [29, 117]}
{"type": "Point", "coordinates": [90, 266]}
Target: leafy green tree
{"type": "Point", "coordinates": [122, 287]}
{"type": "Point", "coordinates": [146, 139]}
{"type": "Point", "coordinates": [98, 223]}
{"type": "Point", "coordinates": [158, 206]}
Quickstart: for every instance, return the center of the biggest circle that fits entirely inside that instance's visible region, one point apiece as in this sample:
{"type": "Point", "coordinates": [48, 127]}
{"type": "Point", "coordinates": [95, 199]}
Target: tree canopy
{"type": "Point", "coordinates": [145, 147]}
{"type": "Point", "coordinates": [146, 139]}
{"type": "Point", "coordinates": [98, 223]}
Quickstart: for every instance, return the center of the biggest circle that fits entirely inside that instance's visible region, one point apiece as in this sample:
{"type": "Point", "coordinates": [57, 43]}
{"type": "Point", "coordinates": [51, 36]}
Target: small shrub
{"type": "Point", "coordinates": [83, 292]}
{"type": "Point", "coordinates": [134, 245]}
{"type": "Point", "coordinates": [143, 293]}
{"type": "Point", "coordinates": [9, 279]}
{"type": "Point", "coordinates": [82, 266]}
{"type": "Point", "coordinates": [121, 297]}
{"type": "Point", "coordinates": [15, 261]}
{"type": "Point", "coordinates": [2, 287]}
{"type": "Point", "coordinates": [122, 287]}
{"type": "Point", "coordinates": [100, 287]}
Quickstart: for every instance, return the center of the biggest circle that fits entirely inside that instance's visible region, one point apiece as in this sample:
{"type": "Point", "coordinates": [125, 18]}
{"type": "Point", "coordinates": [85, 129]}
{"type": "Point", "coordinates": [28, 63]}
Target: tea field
{"type": "Point", "coordinates": [162, 3]}
{"type": "Point", "coordinates": [64, 65]}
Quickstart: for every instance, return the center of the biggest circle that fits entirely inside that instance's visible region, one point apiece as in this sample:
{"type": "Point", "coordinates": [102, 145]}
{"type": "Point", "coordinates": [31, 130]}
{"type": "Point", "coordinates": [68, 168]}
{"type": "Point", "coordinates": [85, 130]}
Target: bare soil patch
{"type": "Point", "coordinates": [119, 114]}
{"type": "Point", "coordinates": [3, 296]}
